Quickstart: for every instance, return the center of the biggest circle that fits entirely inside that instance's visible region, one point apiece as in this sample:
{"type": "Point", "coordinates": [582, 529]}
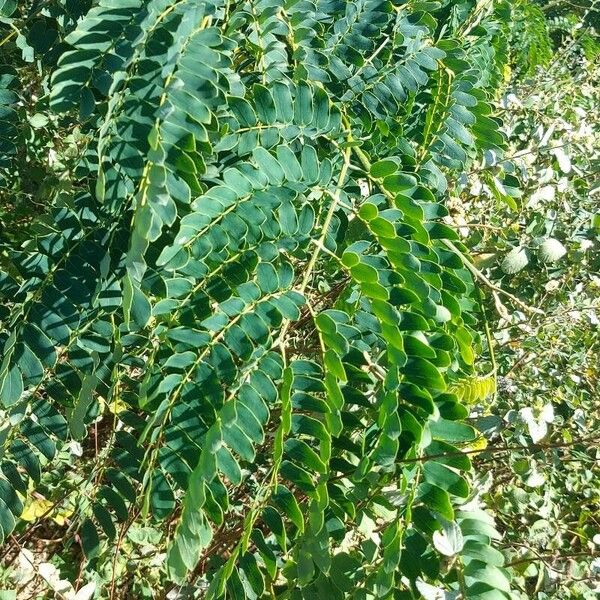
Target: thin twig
{"type": "Point", "coordinates": [479, 275]}
{"type": "Point", "coordinates": [320, 243]}
{"type": "Point", "coordinates": [547, 557]}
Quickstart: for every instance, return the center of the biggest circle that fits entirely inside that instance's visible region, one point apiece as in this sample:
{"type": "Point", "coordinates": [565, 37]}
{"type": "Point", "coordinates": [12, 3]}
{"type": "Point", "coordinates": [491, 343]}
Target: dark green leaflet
{"type": "Point", "coordinates": [278, 348]}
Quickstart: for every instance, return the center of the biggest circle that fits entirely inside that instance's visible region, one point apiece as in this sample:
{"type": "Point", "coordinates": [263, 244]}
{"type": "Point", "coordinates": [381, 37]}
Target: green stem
{"type": "Point", "coordinates": [490, 339]}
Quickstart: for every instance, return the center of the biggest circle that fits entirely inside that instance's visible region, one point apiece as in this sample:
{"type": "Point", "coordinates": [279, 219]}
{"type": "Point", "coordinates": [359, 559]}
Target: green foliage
{"type": "Point", "coordinates": [37, 148]}
{"type": "Point", "coordinates": [540, 471]}
{"type": "Point", "coordinates": [244, 310]}
{"type": "Point", "coordinates": [540, 29]}
{"type": "Point", "coordinates": [531, 38]}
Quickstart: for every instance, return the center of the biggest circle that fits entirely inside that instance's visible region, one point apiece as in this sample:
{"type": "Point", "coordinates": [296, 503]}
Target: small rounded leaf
{"type": "Point", "coordinates": [449, 541]}
{"type": "Point", "coordinates": [515, 260]}
{"type": "Point", "coordinates": [551, 250]}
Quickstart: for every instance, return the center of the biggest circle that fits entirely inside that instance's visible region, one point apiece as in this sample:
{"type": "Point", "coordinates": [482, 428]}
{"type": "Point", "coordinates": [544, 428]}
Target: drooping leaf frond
{"type": "Point", "coordinates": [257, 276]}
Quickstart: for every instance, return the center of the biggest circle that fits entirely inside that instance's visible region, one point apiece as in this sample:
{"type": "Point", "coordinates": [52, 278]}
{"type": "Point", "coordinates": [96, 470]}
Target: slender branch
{"type": "Point", "coordinates": [468, 264]}
{"type": "Point", "coordinates": [479, 275]}
{"type": "Point", "coordinates": [326, 223]}
{"type": "Point", "coordinates": [543, 558]}
{"type": "Point", "coordinates": [124, 529]}
{"type": "Point", "coordinates": [490, 340]}
{"type": "Point", "coordinates": [498, 449]}
{"type": "Point", "coordinates": [36, 570]}
{"type": "Point", "coordinates": [336, 197]}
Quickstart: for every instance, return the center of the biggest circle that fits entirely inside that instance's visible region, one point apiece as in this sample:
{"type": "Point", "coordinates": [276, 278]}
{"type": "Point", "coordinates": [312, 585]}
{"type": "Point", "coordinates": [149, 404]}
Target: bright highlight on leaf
{"type": "Point", "coordinates": [551, 250]}
{"type": "Point", "coordinates": [515, 261]}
